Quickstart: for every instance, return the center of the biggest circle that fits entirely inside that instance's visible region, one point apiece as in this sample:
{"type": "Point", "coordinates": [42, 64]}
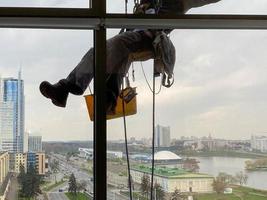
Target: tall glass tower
{"type": "Point", "coordinates": [12, 134]}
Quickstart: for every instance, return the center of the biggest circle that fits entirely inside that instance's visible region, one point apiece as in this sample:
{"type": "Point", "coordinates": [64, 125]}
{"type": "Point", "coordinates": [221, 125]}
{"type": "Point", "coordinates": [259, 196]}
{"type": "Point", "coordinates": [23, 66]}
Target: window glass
{"type": "Point", "coordinates": [47, 3]}
{"type": "Point", "coordinates": [239, 7]}
{"type": "Point", "coordinates": [54, 141]}
{"type": "Point", "coordinates": [209, 124]}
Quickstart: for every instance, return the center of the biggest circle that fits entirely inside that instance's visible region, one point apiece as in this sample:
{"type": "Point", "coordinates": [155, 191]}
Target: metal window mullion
{"type": "Point", "coordinates": [100, 134]}
{"type": "Point", "coordinates": [100, 130]}
{"type": "Point", "coordinates": [79, 20]}
{"type": "Point", "coordinates": [188, 22]}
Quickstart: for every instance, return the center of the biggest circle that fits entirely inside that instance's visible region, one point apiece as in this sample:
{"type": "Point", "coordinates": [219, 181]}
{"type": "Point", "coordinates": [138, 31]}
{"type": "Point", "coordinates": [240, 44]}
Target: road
{"type": "Point", "coordinates": [80, 175]}
{"type": "Point", "coordinates": [57, 196]}
{"type": "Point", "coordinates": [13, 190]}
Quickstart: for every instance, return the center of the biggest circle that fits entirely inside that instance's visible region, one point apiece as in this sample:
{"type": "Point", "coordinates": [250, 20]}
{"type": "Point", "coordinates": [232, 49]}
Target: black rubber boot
{"type": "Point", "coordinates": [58, 93]}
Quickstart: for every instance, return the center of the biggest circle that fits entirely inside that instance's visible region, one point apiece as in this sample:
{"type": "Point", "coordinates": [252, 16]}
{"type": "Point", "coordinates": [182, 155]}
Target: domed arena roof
{"type": "Point", "coordinates": [166, 155]}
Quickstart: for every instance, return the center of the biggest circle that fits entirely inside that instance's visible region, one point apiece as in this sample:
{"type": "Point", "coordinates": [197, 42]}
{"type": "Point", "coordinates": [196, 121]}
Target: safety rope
{"type": "Point", "coordinates": [156, 6]}
{"type": "Point", "coordinates": [133, 72]}
{"type": "Point", "coordinates": [148, 82]}
{"type": "Point", "coordinates": [90, 89]}
{"type": "Point", "coordinates": [124, 120]}
{"type": "Point", "coordinates": [126, 144]}
{"type": "Point", "coordinates": [153, 137]}
{"type": "Point", "coordinates": [126, 7]}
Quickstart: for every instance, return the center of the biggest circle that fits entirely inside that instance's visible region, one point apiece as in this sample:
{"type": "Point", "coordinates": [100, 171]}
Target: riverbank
{"type": "Point", "coordinates": [232, 154]}
{"type": "Point", "coordinates": [239, 193]}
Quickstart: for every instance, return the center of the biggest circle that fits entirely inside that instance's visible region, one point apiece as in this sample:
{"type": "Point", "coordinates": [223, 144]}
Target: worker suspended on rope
{"type": "Point", "coordinates": [122, 50]}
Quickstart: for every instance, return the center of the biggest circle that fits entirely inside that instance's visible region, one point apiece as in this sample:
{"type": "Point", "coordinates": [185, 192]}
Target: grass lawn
{"type": "Point", "coordinates": [217, 197]}
{"type": "Point", "coordinates": [239, 193]}
{"type": "Point", "coordinates": [78, 196]}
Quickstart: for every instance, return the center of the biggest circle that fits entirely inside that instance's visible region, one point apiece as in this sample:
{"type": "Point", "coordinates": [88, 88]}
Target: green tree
{"type": "Point", "coordinates": [30, 183]}
{"type": "Point", "coordinates": [81, 186]}
{"type": "Point", "coordinates": [219, 185]}
{"type": "Point", "coordinates": [241, 178]}
{"type": "Point", "coordinates": [71, 154]}
{"type": "Point", "coordinates": [158, 192]}
{"type": "Point", "coordinates": [145, 185]}
{"type": "Point", "coordinates": [54, 166]}
{"type": "Point", "coordinates": [72, 184]}
{"type": "Point", "coordinates": [191, 165]}
{"type": "Point", "coordinates": [22, 174]}
{"type": "Point", "coordinates": [22, 178]}
{"type": "Point", "coordinates": [68, 156]}
{"type": "Point", "coordinates": [227, 178]}
{"type": "Point", "coordinates": [177, 195]}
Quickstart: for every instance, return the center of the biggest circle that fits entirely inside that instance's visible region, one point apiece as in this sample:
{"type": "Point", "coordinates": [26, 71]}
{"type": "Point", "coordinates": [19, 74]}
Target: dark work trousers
{"type": "Point", "coordinates": [119, 50]}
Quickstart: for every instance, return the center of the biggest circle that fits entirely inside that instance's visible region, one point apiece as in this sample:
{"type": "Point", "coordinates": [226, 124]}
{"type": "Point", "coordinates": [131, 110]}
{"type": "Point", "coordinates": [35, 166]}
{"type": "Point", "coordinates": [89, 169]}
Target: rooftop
{"type": "Point", "coordinates": [166, 155]}
{"type": "Point", "coordinates": [170, 172]}
{"type": "Point", "coordinates": [3, 152]}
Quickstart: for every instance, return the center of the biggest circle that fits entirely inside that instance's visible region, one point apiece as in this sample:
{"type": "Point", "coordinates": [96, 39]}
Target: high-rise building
{"type": "Point", "coordinates": [162, 136]}
{"type": "Point", "coordinates": [259, 143]}
{"type": "Point", "coordinates": [37, 161]}
{"type": "Point", "coordinates": [35, 143]}
{"type": "Point", "coordinates": [12, 135]}
{"type": "Point", "coordinates": [20, 159]}
{"type": "Point", "coordinates": [4, 166]}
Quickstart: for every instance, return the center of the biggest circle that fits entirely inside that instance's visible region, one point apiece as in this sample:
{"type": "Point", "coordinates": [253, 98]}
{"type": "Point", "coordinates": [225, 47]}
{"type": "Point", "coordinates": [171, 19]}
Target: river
{"type": "Point", "coordinates": [214, 165]}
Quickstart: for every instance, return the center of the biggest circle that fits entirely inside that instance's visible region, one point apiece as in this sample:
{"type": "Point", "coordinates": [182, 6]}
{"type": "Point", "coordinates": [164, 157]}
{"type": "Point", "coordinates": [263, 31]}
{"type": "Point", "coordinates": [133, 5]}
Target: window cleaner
{"type": "Point", "coordinates": [122, 50]}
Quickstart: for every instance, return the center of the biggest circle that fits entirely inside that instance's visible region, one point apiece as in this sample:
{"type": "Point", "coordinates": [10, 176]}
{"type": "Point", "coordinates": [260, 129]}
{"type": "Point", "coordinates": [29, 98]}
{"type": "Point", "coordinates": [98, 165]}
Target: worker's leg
{"type": "Point", "coordinates": [79, 79]}
{"type": "Point", "coordinates": [119, 49]}
{"type": "Point", "coordinates": [113, 84]}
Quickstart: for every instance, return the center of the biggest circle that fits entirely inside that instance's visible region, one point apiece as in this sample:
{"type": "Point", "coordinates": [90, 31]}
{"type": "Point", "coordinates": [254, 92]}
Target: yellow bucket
{"type": "Point", "coordinates": [130, 108]}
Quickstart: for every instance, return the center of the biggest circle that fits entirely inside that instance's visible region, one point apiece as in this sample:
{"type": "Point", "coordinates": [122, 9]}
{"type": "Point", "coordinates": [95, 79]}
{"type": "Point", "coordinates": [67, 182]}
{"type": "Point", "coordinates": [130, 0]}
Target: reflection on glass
{"type": "Point", "coordinates": [47, 3]}
{"type": "Point", "coordinates": [238, 7]}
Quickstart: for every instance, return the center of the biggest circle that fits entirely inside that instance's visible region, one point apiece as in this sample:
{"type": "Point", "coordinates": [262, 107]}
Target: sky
{"type": "Point", "coordinates": [220, 78]}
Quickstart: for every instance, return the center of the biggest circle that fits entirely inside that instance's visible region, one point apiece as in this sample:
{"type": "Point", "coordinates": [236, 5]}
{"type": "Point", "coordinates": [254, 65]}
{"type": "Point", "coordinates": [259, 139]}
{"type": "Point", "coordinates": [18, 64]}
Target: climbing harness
{"type": "Point", "coordinates": [163, 47]}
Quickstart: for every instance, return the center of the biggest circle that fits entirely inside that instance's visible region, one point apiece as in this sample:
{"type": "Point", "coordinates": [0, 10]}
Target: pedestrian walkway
{"type": "Point", "coordinates": [13, 189]}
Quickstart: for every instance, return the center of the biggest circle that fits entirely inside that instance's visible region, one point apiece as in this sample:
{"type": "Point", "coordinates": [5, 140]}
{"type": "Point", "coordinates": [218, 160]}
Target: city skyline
{"type": "Point", "coordinates": [220, 80]}
{"type": "Point", "coordinates": [12, 119]}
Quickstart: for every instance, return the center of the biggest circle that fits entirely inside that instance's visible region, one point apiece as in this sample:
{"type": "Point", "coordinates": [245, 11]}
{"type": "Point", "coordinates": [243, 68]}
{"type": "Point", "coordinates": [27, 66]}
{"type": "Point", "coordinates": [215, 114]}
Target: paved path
{"type": "Point", "coordinates": [13, 189]}
{"type": "Point", "coordinates": [57, 196]}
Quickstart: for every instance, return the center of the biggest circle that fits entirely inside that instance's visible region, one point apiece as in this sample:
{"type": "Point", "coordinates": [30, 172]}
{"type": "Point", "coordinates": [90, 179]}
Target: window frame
{"type": "Point", "coordinates": [96, 18]}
